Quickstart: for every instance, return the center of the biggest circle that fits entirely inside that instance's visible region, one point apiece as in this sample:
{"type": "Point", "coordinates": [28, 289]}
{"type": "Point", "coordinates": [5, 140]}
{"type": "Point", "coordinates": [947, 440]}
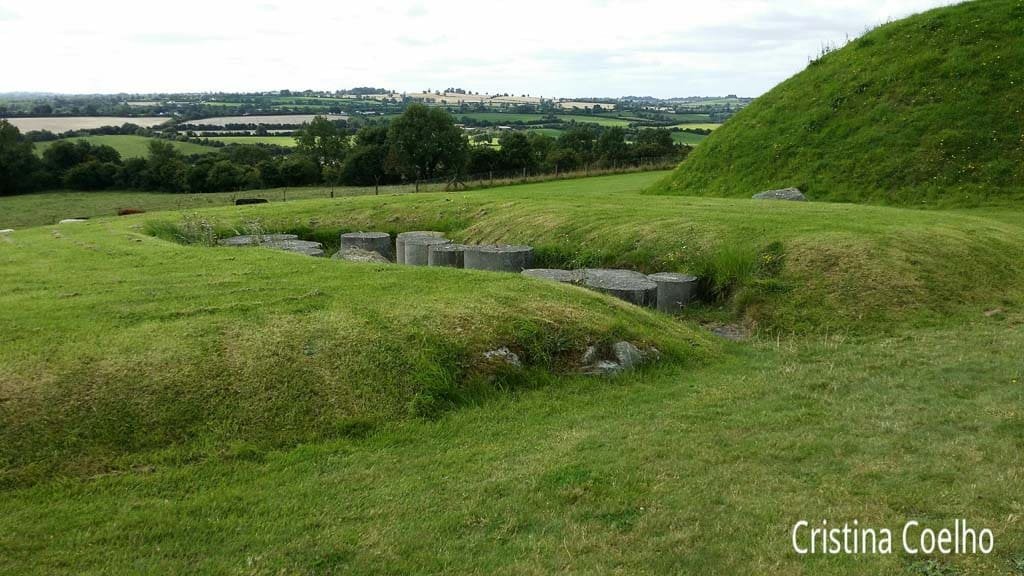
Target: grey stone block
{"type": "Point", "coordinates": [783, 194]}
{"type": "Point", "coordinates": [555, 275]}
{"type": "Point", "coordinates": [674, 290]}
{"type": "Point", "coordinates": [417, 249]}
{"type": "Point", "coordinates": [498, 257]}
{"type": "Point", "coordinates": [359, 255]}
{"type": "Point", "coordinates": [447, 255]}
{"type": "Point", "coordinates": [379, 242]}
{"type": "Point", "coordinates": [400, 241]}
{"type": "Point", "coordinates": [633, 287]}
{"type": "Point", "coordinates": [255, 239]}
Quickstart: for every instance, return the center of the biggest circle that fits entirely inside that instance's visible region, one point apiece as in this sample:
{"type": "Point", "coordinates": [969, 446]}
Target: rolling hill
{"type": "Point", "coordinates": [925, 110]}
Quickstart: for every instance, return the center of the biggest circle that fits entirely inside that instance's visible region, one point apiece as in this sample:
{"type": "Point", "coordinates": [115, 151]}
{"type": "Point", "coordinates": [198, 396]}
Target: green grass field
{"type": "Point", "coordinates": [133, 146]}
{"type": "Point", "coordinates": [849, 128]}
{"type": "Point", "coordinates": [286, 141]}
{"type": "Point", "coordinates": [178, 408]}
{"type": "Point", "coordinates": [688, 138]}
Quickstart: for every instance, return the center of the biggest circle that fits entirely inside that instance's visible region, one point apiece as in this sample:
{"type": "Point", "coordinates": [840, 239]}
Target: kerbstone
{"type": "Point", "coordinates": [360, 255]}
{"type": "Point", "coordinates": [446, 255]}
{"type": "Point", "coordinates": [555, 275]}
{"type": "Point", "coordinates": [783, 194]}
{"type": "Point", "coordinates": [417, 249]}
{"type": "Point", "coordinates": [674, 290]}
{"type": "Point", "coordinates": [400, 241]}
{"type": "Point", "coordinates": [633, 287]}
{"type": "Point", "coordinates": [255, 239]}
{"type": "Point", "coordinates": [379, 242]}
{"type": "Point", "coordinates": [498, 257]}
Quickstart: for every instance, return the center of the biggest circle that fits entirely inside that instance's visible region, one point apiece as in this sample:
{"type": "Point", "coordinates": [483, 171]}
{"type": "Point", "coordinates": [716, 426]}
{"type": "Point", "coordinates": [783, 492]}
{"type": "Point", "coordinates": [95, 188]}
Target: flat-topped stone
{"type": "Point", "coordinates": [674, 290]}
{"type": "Point", "coordinates": [498, 257]}
{"type": "Point", "coordinates": [72, 220]}
{"type": "Point", "coordinates": [633, 287]}
{"type": "Point", "coordinates": [255, 239]}
{"type": "Point", "coordinates": [417, 249]}
{"type": "Point", "coordinates": [447, 255]}
{"type": "Point", "coordinates": [379, 242]}
{"type": "Point", "coordinates": [6, 230]}
{"type": "Point", "coordinates": [298, 246]}
{"type": "Point", "coordinates": [555, 274]}
{"type": "Point", "coordinates": [400, 241]}
{"type": "Point", "coordinates": [360, 255]}
{"type": "Point", "coordinates": [783, 194]}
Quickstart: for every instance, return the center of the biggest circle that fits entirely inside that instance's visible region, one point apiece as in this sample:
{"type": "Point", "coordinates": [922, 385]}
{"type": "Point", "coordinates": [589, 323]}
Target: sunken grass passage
{"type": "Point", "coordinates": [883, 384]}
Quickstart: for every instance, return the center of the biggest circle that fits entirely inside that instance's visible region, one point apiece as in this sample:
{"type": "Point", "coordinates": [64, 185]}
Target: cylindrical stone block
{"type": "Point", "coordinates": [554, 274]}
{"type": "Point", "coordinates": [633, 287]}
{"type": "Point", "coordinates": [674, 290]}
{"type": "Point", "coordinates": [449, 255]}
{"type": "Point", "coordinates": [400, 242]}
{"type": "Point", "coordinates": [498, 257]}
{"type": "Point", "coordinates": [417, 249]}
{"type": "Point", "coordinates": [379, 242]}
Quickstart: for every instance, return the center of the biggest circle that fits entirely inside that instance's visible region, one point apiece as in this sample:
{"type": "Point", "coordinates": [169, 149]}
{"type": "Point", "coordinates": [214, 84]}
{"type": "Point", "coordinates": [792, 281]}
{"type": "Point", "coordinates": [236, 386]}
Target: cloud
{"type": "Point", "coordinates": [8, 15]}
{"type": "Point", "coordinates": [566, 48]}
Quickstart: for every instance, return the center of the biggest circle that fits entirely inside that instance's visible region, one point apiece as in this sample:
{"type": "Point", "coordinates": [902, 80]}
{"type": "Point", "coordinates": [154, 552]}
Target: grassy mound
{"type": "Point", "coordinates": [114, 343]}
{"type": "Point", "coordinates": [783, 267]}
{"type": "Point", "coordinates": [117, 343]}
{"type": "Point", "coordinates": [924, 110]}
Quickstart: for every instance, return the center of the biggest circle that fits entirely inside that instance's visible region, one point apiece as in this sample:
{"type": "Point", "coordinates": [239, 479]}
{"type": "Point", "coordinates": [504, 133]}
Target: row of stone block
{"type": "Point", "coordinates": [666, 291]}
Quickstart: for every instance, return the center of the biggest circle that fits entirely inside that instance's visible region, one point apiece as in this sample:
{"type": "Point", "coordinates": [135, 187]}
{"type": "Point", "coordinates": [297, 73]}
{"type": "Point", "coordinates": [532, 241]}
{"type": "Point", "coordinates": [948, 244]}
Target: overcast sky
{"type": "Point", "coordinates": [567, 48]}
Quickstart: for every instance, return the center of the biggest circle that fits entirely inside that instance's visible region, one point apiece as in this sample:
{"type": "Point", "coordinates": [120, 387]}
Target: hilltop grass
{"type": "Point", "coordinates": [133, 146]}
{"type": "Point", "coordinates": [925, 110]}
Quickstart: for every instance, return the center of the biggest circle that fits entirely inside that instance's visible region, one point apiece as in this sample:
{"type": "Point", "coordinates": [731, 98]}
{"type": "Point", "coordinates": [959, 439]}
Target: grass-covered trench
{"type": "Point", "coordinates": [169, 408]}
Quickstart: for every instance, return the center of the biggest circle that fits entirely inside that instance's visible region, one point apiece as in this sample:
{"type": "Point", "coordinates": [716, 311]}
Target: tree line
{"type": "Point", "coordinates": [422, 144]}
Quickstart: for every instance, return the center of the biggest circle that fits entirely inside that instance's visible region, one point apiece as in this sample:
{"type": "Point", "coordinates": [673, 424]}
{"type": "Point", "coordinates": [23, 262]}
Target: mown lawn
{"type": "Point", "coordinates": [176, 408]}
{"type": "Point", "coordinates": [51, 207]}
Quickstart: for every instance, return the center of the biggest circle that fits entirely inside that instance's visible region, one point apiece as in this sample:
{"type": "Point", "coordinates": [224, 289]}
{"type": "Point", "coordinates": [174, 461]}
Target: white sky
{"type": "Point", "coordinates": [567, 48]}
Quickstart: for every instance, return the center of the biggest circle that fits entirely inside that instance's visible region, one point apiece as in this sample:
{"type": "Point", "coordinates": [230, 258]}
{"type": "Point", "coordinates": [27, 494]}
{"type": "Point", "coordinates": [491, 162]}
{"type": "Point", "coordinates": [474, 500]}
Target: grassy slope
{"type": "Point", "coordinates": [133, 146]}
{"type": "Point", "coordinates": [697, 466]}
{"type": "Point", "coordinates": [927, 109]}
{"type": "Point", "coordinates": [846, 267]}
{"type": "Point", "coordinates": [698, 471]}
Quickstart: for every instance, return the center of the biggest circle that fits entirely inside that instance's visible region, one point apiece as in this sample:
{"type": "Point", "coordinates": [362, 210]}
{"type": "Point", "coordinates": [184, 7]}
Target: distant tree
{"type": "Point", "coordinates": [516, 153]}
{"type": "Point", "coordinates": [91, 175]}
{"type": "Point", "coordinates": [366, 163]}
{"type": "Point", "coordinates": [224, 176]}
{"type": "Point", "coordinates": [323, 142]}
{"type": "Point", "coordinates": [299, 171]}
{"type": "Point", "coordinates": [611, 147]}
{"type": "Point", "coordinates": [165, 168]}
{"type": "Point", "coordinates": [653, 143]}
{"type": "Point", "coordinates": [20, 169]}
{"type": "Point", "coordinates": [425, 143]}
{"type": "Point", "coordinates": [270, 173]}
{"type": "Point", "coordinates": [131, 175]}
{"type": "Point", "coordinates": [483, 161]}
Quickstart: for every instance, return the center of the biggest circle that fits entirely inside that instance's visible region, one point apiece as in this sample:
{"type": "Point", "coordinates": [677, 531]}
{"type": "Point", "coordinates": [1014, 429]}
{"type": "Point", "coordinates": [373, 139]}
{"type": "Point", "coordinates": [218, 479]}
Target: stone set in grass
{"type": "Point", "coordinates": [666, 291]}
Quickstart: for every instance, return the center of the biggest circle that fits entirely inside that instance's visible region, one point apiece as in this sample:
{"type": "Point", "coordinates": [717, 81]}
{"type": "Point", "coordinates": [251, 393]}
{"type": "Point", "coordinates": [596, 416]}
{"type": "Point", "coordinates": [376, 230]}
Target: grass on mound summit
{"type": "Point", "coordinates": [925, 110]}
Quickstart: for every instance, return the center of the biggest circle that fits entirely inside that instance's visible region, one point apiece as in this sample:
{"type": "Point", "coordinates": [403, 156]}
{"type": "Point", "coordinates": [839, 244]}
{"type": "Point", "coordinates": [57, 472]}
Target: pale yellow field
{"type": "Point", "coordinates": [63, 124]}
{"type": "Point", "coordinates": [263, 119]}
